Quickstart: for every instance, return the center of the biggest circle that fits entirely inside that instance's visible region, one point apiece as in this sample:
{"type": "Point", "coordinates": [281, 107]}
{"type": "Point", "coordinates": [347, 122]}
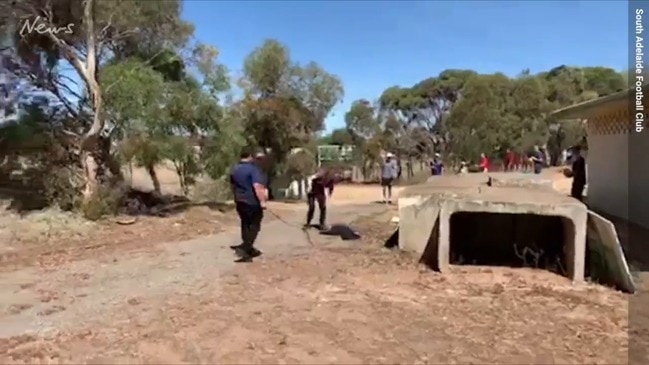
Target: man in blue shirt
{"type": "Point", "coordinates": [250, 196]}
{"type": "Point", "coordinates": [437, 165]}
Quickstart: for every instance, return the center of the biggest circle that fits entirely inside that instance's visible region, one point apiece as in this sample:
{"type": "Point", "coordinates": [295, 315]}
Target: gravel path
{"type": "Point", "coordinates": [44, 302]}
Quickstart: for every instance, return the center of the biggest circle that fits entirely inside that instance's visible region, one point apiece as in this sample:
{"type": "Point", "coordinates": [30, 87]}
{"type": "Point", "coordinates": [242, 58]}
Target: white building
{"type": "Point", "coordinates": [611, 129]}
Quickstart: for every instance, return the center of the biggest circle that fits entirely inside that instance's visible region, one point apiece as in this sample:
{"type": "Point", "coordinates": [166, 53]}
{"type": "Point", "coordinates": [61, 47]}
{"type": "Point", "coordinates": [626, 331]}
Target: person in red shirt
{"type": "Point", "coordinates": [523, 162]}
{"type": "Point", "coordinates": [519, 161]}
{"type": "Point", "coordinates": [484, 162]}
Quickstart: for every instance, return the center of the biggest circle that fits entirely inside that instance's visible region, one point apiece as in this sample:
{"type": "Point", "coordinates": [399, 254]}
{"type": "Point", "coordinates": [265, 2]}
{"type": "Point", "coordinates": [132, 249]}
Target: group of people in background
{"type": "Point", "coordinates": [534, 162]}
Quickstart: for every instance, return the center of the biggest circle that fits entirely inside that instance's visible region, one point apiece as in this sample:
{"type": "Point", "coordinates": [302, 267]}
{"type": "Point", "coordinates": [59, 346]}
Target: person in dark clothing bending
{"type": "Point", "coordinates": [250, 196]}
{"type": "Point", "coordinates": [322, 186]}
{"type": "Point", "coordinates": [537, 159]}
{"type": "Point", "coordinates": [578, 174]}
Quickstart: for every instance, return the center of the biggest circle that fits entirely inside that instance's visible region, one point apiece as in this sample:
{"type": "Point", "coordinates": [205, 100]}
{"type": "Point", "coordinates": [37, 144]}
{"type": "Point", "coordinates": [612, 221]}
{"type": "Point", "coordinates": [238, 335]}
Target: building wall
{"type": "Point", "coordinates": [608, 164]}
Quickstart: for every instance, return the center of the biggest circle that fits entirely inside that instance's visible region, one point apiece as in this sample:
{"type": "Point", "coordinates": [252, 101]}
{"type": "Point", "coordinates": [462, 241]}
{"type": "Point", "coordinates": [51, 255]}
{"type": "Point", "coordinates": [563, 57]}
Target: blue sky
{"type": "Point", "coordinates": [371, 45]}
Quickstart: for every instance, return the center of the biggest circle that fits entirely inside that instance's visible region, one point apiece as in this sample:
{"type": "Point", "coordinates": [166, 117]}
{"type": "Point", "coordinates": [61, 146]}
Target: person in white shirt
{"type": "Point", "coordinates": [389, 173]}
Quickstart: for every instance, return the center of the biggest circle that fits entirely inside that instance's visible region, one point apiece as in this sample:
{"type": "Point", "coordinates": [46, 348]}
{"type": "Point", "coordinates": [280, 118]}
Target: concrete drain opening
{"type": "Point", "coordinates": [511, 240]}
{"type": "Point", "coordinates": [516, 222]}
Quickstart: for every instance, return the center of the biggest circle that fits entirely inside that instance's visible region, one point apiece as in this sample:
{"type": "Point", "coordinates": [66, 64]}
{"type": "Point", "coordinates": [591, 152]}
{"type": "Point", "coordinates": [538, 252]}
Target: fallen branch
{"type": "Point", "coordinates": [536, 255]}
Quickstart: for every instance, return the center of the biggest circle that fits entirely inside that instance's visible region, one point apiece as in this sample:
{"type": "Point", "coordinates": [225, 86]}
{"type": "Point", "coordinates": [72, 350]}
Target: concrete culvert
{"type": "Point", "coordinates": [512, 240]}
{"type": "Point", "coordinates": [488, 221]}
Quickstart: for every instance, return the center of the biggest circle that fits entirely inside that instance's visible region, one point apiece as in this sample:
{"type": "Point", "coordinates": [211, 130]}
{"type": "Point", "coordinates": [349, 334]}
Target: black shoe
{"type": "Point", "coordinates": [252, 253]}
{"type": "Point", "coordinates": [255, 253]}
{"type": "Point", "coordinates": [244, 258]}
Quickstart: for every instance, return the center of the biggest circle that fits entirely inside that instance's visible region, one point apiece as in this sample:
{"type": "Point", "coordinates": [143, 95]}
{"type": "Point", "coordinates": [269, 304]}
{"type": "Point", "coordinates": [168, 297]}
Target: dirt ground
{"type": "Point", "coordinates": [164, 290]}
{"type": "Point", "coordinates": [45, 238]}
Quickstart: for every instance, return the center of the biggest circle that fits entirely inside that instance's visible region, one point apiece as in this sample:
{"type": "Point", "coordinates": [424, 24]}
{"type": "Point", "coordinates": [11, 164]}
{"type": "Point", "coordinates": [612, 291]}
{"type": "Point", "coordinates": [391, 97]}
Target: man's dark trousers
{"type": "Point", "coordinates": [251, 217]}
{"type": "Point", "coordinates": [577, 191]}
{"type": "Point", "coordinates": [322, 205]}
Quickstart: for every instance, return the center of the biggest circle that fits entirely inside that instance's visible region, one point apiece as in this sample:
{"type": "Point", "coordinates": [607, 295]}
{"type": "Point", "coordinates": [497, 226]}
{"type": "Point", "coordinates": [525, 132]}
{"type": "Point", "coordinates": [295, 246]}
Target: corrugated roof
{"type": "Point", "coordinates": [578, 111]}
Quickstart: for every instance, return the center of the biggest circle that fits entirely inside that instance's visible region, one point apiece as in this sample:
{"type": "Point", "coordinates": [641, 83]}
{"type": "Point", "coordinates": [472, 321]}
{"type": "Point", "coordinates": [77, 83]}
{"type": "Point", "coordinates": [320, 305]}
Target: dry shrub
{"type": "Point", "coordinates": [41, 225]}
{"type": "Point", "coordinates": [106, 201]}
{"type": "Point", "coordinates": [61, 187]}
{"type": "Point", "coordinates": [210, 190]}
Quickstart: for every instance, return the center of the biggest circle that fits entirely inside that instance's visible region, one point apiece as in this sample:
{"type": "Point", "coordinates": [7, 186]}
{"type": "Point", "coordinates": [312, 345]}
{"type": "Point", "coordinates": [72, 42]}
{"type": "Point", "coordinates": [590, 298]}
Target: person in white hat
{"type": "Point", "coordinates": [437, 166]}
{"type": "Point", "coordinates": [389, 172]}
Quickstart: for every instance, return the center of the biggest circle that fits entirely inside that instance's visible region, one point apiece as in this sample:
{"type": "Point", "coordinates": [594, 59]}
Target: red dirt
{"type": "Point", "coordinates": [343, 307]}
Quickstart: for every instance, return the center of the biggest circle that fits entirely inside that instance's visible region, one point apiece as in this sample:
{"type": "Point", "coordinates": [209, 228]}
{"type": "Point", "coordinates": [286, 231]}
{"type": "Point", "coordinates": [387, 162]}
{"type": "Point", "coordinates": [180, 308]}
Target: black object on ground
{"type": "Point", "coordinates": [345, 232]}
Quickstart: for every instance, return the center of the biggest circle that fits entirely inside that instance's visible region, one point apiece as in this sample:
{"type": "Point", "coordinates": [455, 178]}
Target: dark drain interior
{"type": "Point", "coordinates": [514, 240]}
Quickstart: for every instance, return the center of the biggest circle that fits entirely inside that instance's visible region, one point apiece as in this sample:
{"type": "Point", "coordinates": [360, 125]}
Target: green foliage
{"type": "Point", "coordinates": [285, 103]}
{"type": "Point", "coordinates": [184, 158]}
{"type": "Point", "coordinates": [223, 145]}
{"type": "Point", "coordinates": [329, 153]}
{"type": "Point", "coordinates": [133, 94]}
{"type": "Point", "coordinates": [340, 137]}
{"type": "Point", "coordinates": [462, 113]}
{"type": "Point", "coordinates": [361, 120]}
{"type": "Point", "coordinates": [300, 165]}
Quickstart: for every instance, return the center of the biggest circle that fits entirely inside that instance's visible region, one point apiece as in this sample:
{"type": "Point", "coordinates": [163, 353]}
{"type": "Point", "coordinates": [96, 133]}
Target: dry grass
{"type": "Point", "coordinates": [45, 225]}
{"type": "Point", "coordinates": [52, 237]}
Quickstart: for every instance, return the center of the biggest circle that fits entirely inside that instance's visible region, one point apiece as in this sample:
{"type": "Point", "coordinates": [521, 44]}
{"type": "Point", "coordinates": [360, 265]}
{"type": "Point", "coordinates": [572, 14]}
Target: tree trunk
{"type": "Point", "coordinates": [93, 156]}
{"type": "Point", "coordinates": [300, 188]}
{"type": "Point", "coordinates": [130, 173]}
{"type": "Point", "coordinates": [154, 178]}
{"type": "Point", "coordinates": [90, 169]}
{"type": "Point", "coordinates": [112, 164]}
{"type": "Point", "coordinates": [90, 143]}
